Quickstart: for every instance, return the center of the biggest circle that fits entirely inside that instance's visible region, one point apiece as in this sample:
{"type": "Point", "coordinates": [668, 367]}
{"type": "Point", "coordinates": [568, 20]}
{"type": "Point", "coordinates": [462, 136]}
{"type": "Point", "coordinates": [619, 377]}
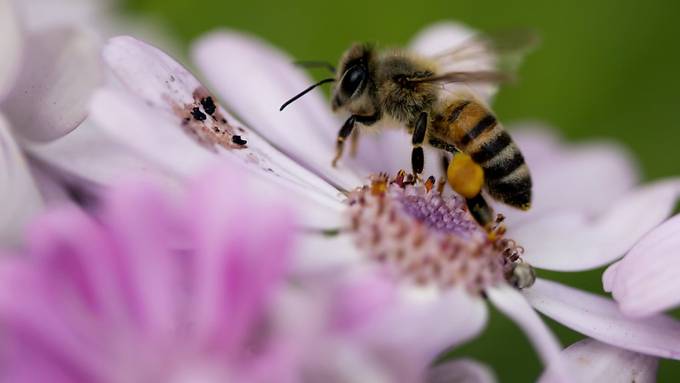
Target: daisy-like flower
{"type": "Point", "coordinates": [184, 288]}
{"type": "Point", "coordinates": [587, 211]}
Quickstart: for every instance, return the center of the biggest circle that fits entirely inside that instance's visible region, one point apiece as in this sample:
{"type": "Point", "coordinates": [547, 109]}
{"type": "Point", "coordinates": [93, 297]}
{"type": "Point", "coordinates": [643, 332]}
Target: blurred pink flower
{"type": "Point", "coordinates": [587, 211]}
{"type": "Point", "coordinates": [188, 287]}
{"type": "Point", "coordinates": [151, 291]}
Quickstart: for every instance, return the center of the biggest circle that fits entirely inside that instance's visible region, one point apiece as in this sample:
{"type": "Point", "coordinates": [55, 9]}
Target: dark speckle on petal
{"type": "Point", "coordinates": [238, 140]}
{"type": "Point", "coordinates": [208, 105]}
{"type": "Point", "coordinates": [198, 115]}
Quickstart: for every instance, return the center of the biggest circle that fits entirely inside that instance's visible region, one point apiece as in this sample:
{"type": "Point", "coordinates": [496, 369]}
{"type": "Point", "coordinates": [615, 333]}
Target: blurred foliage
{"type": "Point", "coordinates": [605, 69]}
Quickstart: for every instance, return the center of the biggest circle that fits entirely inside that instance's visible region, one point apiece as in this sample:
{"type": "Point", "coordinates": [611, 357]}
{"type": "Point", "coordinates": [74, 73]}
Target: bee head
{"type": "Point", "coordinates": [353, 76]}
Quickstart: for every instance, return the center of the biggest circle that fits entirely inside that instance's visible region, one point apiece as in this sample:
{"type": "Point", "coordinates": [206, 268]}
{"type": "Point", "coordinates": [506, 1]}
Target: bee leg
{"type": "Point", "coordinates": [417, 154]}
{"type": "Point", "coordinates": [354, 147]}
{"type": "Point", "coordinates": [443, 146]}
{"type": "Point", "coordinates": [467, 179]}
{"type": "Point", "coordinates": [344, 132]}
{"type": "Point", "coordinates": [481, 212]}
{"type": "Point", "coordinates": [348, 128]}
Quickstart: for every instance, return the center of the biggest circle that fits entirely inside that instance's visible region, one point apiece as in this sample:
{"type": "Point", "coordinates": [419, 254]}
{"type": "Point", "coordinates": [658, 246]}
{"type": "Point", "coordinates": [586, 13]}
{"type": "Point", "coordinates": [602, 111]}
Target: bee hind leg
{"type": "Point", "coordinates": [481, 212]}
{"type": "Point", "coordinates": [467, 179]}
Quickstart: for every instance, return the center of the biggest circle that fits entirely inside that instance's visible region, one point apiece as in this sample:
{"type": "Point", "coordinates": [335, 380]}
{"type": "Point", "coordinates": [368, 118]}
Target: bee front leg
{"type": "Point", "coordinates": [348, 128]}
{"type": "Point", "coordinates": [344, 132]}
{"type": "Point", "coordinates": [417, 154]}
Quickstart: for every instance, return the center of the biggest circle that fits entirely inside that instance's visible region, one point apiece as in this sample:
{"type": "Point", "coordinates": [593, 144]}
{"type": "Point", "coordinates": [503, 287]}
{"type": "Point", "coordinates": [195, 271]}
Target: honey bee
{"type": "Point", "coordinates": [401, 88]}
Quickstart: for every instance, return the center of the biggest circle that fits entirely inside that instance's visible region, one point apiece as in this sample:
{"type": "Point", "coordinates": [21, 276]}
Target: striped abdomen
{"type": "Point", "coordinates": [475, 131]}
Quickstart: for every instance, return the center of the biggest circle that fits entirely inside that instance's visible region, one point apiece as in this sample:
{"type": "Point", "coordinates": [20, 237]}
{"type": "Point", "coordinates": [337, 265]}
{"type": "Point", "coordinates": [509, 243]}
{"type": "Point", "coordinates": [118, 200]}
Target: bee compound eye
{"type": "Point", "coordinates": [353, 79]}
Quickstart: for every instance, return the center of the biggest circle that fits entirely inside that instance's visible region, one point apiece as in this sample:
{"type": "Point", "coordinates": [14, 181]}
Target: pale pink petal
{"type": "Point", "coordinates": [254, 80]}
{"type": "Point", "coordinates": [11, 41]}
{"type": "Point", "coordinates": [577, 240]}
{"type": "Point", "coordinates": [60, 72]}
{"type": "Point", "coordinates": [585, 177]}
{"type": "Point", "coordinates": [20, 197]}
{"type": "Point", "coordinates": [646, 280]}
{"type": "Point", "coordinates": [609, 276]}
{"type": "Point", "coordinates": [43, 14]}
{"type": "Point", "coordinates": [446, 36]}
{"type": "Point", "coordinates": [429, 321]}
{"type": "Point", "coordinates": [318, 254]}
{"type": "Point", "coordinates": [594, 362]}
{"type": "Point", "coordinates": [460, 371]}
{"type": "Point", "coordinates": [168, 92]}
{"type": "Point", "coordinates": [600, 318]}
{"type": "Point", "coordinates": [511, 303]}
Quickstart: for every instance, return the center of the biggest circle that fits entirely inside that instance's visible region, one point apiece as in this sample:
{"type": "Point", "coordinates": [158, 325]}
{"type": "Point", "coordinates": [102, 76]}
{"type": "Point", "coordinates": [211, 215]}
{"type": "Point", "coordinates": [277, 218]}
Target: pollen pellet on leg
{"type": "Point", "coordinates": [420, 234]}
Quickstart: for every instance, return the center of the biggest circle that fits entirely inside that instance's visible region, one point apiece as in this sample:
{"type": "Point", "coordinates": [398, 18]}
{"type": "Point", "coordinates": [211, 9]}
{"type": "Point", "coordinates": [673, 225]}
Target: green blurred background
{"type": "Point", "coordinates": [605, 68]}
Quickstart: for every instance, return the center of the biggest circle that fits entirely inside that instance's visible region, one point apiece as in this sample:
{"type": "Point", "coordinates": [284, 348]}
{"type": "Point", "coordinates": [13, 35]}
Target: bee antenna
{"type": "Point", "coordinates": [304, 92]}
{"type": "Point", "coordinates": [315, 64]}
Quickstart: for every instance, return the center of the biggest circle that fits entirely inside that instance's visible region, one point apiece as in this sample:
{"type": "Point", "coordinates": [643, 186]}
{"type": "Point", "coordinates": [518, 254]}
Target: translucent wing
{"type": "Point", "coordinates": [507, 47]}
{"type": "Point", "coordinates": [474, 62]}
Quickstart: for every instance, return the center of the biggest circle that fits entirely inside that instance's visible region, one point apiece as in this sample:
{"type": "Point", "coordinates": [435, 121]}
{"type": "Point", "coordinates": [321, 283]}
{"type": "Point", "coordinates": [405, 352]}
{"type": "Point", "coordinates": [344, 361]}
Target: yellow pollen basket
{"type": "Point", "coordinates": [465, 176]}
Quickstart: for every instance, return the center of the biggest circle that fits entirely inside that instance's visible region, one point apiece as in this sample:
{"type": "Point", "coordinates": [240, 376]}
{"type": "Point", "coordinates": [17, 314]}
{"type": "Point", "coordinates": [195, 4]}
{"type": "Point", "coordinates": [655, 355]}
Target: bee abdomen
{"type": "Point", "coordinates": [479, 134]}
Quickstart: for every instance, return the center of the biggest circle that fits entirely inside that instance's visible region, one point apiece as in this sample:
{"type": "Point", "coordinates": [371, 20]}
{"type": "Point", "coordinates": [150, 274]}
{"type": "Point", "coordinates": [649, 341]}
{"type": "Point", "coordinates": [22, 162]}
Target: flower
{"type": "Point", "coordinates": [644, 282]}
{"type": "Point", "coordinates": [587, 210]}
{"type": "Point", "coordinates": [184, 287]}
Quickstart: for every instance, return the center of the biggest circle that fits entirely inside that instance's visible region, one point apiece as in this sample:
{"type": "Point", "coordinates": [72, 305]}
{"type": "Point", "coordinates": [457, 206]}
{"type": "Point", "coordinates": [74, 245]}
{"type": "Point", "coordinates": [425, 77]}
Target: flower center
{"type": "Point", "coordinates": [427, 237]}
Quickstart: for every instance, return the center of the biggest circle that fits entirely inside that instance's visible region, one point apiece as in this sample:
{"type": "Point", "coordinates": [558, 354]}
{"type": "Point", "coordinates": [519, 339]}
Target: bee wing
{"type": "Point", "coordinates": [488, 58]}
{"type": "Point", "coordinates": [470, 77]}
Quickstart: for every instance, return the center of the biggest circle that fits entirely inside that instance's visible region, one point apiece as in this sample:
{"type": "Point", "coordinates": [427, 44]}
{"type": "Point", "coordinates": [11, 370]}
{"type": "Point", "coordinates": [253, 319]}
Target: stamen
{"type": "Point", "coordinates": [427, 237]}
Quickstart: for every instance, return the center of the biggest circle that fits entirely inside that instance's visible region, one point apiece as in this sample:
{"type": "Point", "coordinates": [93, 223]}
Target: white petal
{"type": "Point", "coordinates": [442, 37]}
{"type": "Point", "coordinates": [460, 371]}
{"type": "Point", "coordinates": [167, 87]}
{"type": "Point", "coordinates": [594, 362]}
{"type": "Point", "coordinates": [254, 80]}
{"type": "Point", "coordinates": [585, 177]}
{"type": "Point", "coordinates": [20, 197]}
{"type": "Point", "coordinates": [325, 255]}
{"type": "Point", "coordinates": [60, 72]}
{"type": "Point", "coordinates": [609, 276]}
{"type": "Point", "coordinates": [42, 14]}
{"type": "Point", "coordinates": [646, 280]}
{"type": "Point", "coordinates": [157, 136]}
{"type": "Point", "coordinates": [600, 318]}
{"type": "Point", "coordinates": [11, 41]}
{"type": "Point", "coordinates": [428, 321]}
{"type": "Point", "coordinates": [573, 240]}
{"type": "Point", "coordinates": [512, 303]}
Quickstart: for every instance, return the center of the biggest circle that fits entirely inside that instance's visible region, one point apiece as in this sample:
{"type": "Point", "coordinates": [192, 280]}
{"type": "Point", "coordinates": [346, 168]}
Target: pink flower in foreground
{"type": "Point", "coordinates": [152, 291]}
{"type": "Point", "coordinates": [587, 211]}
{"type": "Point", "coordinates": [162, 289]}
